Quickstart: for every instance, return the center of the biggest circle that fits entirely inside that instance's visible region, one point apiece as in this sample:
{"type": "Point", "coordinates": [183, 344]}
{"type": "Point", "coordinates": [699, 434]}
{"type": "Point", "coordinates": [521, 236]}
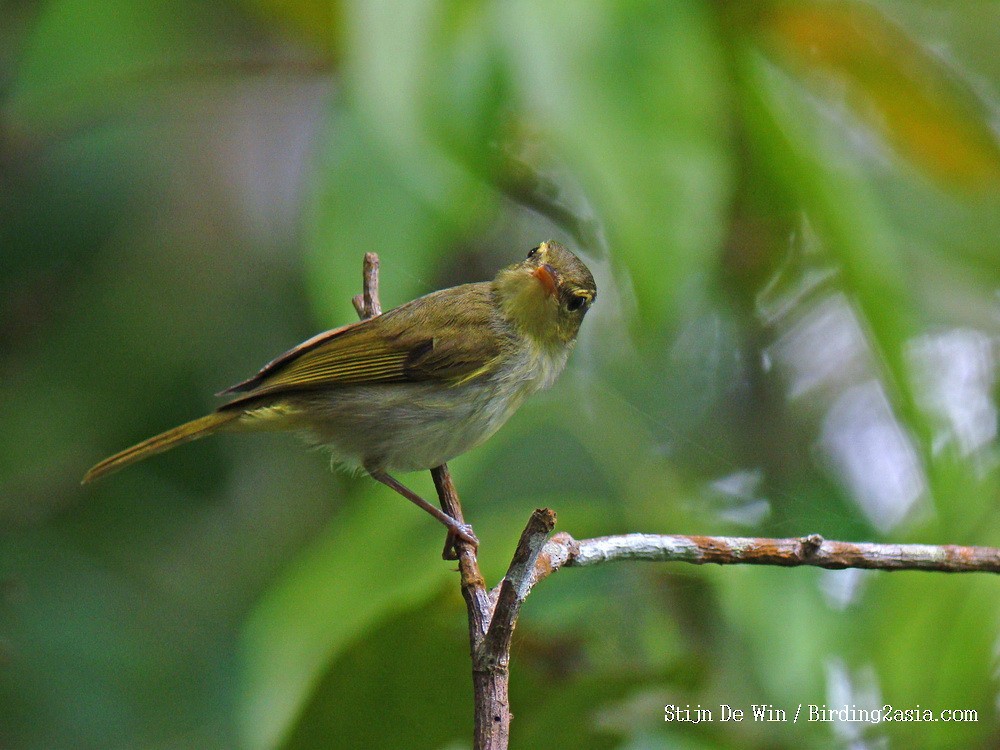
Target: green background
{"type": "Point", "coordinates": [792, 213]}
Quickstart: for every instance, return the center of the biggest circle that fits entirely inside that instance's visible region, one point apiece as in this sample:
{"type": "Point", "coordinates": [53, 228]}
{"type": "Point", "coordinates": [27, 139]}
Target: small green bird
{"type": "Point", "coordinates": [411, 389]}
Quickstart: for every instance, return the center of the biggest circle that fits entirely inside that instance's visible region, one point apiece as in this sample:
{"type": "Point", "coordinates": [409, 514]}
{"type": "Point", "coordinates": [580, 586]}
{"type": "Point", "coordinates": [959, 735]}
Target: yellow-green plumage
{"type": "Point", "coordinates": [419, 385]}
{"type": "Point", "coordinates": [184, 433]}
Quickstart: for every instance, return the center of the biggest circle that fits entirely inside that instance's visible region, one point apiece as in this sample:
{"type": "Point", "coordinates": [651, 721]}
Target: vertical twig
{"type": "Point", "coordinates": [489, 684]}
{"type": "Point", "coordinates": [491, 655]}
{"type": "Point", "coordinates": [489, 674]}
{"type": "Point", "coordinates": [474, 590]}
{"type": "Point", "coordinates": [368, 303]}
{"type": "Point", "coordinates": [514, 588]}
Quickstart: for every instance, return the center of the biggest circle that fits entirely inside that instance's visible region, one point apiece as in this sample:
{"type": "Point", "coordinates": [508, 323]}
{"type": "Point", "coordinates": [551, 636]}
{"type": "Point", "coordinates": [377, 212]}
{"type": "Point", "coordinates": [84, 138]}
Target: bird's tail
{"type": "Point", "coordinates": [164, 441]}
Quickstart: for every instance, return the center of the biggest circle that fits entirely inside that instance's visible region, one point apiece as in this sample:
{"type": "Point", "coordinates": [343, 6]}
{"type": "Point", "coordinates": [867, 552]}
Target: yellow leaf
{"type": "Point", "coordinates": [892, 82]}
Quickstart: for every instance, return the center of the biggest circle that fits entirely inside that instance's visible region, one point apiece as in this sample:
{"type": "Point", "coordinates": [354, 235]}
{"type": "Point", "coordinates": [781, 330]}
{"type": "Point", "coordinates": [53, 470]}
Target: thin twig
{"type": "Point", "coordinates": [477, 598]}
{"type": "Point", "coordinates": [368, 303]}
{"type": "Point", "coordinates": [524, 184]}
{"type": "Point", "coordinates": [489, 683]}
{"type": "Point", "coordinates": [491, 655]}
{"type": "Point", "coordinates": [564, 551]}
{"type": "Point", "coordinates": [495, 649]}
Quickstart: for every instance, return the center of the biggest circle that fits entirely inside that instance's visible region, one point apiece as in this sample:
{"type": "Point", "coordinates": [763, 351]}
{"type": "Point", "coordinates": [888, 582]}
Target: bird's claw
{"type": "Point", "coordinates": [464, 532]}
{"type": "Point", "coordinates": [458, 531]}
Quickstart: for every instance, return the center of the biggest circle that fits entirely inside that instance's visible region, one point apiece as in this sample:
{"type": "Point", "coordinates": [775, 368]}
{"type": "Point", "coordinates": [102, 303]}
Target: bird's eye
{"type": "Point", "coordinates": [576, 302]}
{"type": "Point", "coordinates": [533, 251]}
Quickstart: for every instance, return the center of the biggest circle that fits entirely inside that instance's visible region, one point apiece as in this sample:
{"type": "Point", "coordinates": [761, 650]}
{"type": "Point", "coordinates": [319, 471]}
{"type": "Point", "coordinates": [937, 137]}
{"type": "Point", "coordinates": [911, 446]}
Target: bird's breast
{"type": "Point", "coordinates": [417, 426]}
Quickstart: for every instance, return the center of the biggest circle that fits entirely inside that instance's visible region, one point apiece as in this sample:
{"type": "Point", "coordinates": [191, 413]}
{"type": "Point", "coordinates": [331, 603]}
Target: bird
{"type": "Point", "coordinates": [412, 388]}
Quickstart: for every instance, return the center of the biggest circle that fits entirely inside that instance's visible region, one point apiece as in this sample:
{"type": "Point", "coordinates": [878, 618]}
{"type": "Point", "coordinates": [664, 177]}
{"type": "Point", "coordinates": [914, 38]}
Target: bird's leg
{"type": "Point", "coordinates": [461, 530]}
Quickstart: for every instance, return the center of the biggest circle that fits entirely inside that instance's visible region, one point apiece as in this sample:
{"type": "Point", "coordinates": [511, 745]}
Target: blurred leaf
{"type": "Point", "coordinates": [325, 602]}
{"type": "Point", "coordinates": [894, 83]}
{"type": "Point", "coordinates": [931, 655]}
{"type": "Point", "coordinates": [815, 168]}
{"type": "Point", "coordinates": [463, 107]}
{"type": "Point", "coordinates": [362, 204]}
{"type": "Point", "coordinates": [790, 620]}
{"type": "Point", "coordinates": [317, 21]}
{"type": "Point", "coordinates": [89, 645]}
{"type": "Point", "coordinates": [633, 95]}
{"type": "Point", "coordinates": [378, 675]}
{"type": "Point", "coordinates": [83, 56]}
{"type": "Point", "coordinates": [77, 40]}
{"type": "Point", "coordinates": [568, 715]}
{"type": "Point", "coordinates": [393, 69]}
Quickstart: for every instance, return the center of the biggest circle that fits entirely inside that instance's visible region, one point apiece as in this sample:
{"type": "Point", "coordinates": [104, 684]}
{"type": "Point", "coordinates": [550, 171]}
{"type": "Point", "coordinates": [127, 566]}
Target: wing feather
{"type": "Point", "coordinates": [446, 336]}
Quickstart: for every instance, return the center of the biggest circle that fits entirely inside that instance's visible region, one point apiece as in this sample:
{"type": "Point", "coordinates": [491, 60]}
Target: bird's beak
{"type": "Point", "coordinates": [546, 275]}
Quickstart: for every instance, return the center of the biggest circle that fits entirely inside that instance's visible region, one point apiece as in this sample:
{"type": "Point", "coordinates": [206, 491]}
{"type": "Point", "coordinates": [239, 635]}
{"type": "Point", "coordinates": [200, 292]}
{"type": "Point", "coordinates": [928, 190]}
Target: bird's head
{"type": "Point", "coordinates": [547, 294]}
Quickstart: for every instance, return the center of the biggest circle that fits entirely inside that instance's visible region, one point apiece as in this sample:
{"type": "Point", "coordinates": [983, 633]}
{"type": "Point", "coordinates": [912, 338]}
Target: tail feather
{"type": "Point", "coordinates": [192, 430]}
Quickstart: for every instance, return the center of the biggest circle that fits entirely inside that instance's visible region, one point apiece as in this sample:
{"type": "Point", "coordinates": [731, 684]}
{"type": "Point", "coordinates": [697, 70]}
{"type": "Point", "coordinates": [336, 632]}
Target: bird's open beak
{"type": "Point", "coordinates": [546, 275]}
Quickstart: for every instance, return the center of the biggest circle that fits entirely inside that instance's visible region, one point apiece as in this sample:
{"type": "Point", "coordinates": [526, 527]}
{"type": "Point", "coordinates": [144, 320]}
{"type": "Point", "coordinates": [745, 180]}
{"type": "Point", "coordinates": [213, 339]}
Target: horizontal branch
{"type": "Point", "coordinates": [564, 551]}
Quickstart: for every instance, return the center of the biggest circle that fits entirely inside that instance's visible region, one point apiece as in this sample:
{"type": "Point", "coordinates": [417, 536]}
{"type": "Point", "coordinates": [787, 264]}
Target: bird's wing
{"type": "Point", "coordinates": [438, 337]}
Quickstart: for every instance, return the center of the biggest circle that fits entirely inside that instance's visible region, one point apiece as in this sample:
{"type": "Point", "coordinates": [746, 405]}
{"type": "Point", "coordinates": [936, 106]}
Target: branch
{"type": "Point", "coordinates": [513, 590]}
{"type": "Point", "coordinates": [491, 651]}
{"type": "Point", "coordinates": [522, 183]}
{"type": "Point", "coordinates": [562, 550]}
{"type": "Point", "coordinates": [477, 599]}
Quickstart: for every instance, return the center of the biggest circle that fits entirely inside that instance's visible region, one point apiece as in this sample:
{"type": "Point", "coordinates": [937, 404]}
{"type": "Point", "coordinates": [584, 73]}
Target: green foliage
{"type": "Point", "coordinates": [307, 619]}
{"type": "Point", "coordinates": [792, 210]}
{"type": "Point", "coordinates": [631, 94]}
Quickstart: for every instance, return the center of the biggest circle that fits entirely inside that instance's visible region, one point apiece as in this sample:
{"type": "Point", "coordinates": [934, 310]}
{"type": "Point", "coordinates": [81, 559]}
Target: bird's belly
{"type": "Point", "coordinates": [407, 427]}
